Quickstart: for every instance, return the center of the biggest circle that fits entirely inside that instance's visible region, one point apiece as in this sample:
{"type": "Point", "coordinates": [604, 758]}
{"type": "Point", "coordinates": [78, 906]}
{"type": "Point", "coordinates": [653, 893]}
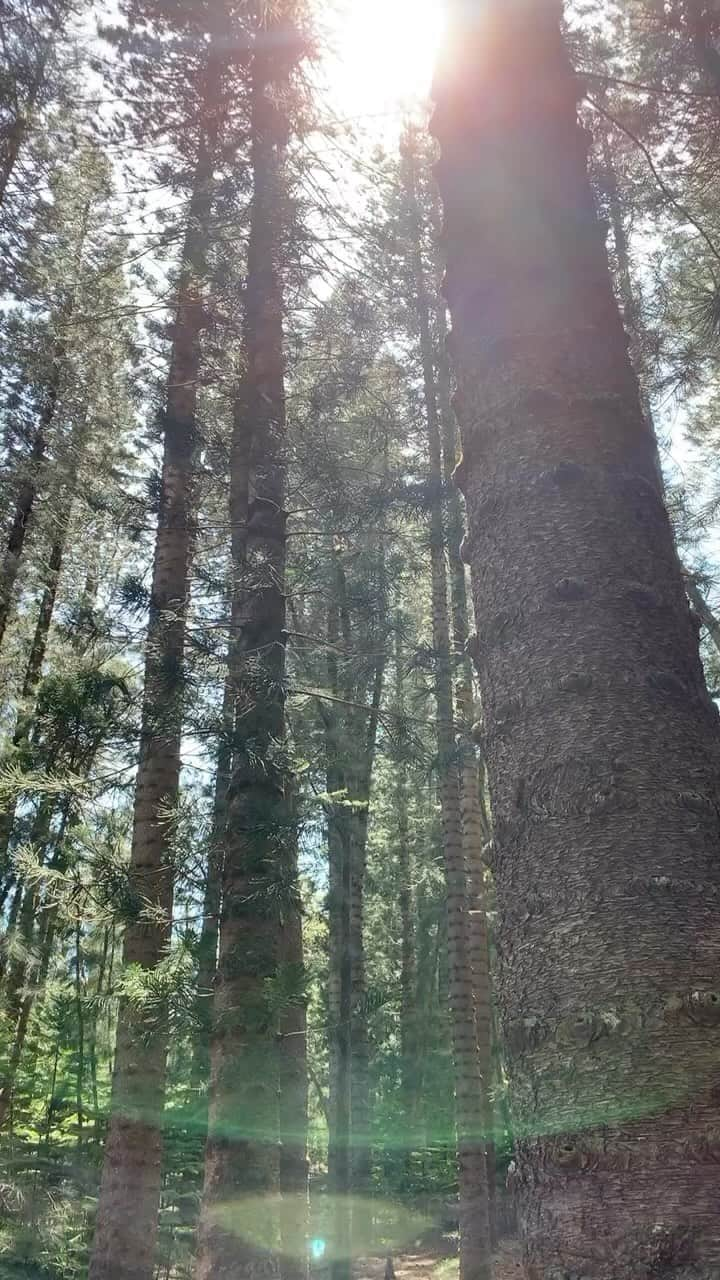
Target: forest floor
{"type": "Point", "coordinates": [436, 1259]}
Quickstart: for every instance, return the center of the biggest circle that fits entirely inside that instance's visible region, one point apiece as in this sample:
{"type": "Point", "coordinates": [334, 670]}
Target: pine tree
{"type": "Point", "coordinates": [259, 856]}
{"type": "Point", "coordinates": [559, 476]}
{"type": "Point", "coordinates": [126, 1226]}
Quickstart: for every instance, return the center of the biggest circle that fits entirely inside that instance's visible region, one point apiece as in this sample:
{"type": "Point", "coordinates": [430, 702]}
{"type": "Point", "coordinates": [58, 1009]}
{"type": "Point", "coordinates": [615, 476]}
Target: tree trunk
{"type": "Point", "coordinates": [600, 740]}
{"type": "Point", "coordinates": [408, 1012]}
{"type": "Point", "coordinates": [126, 1225]}
{"type": "Point", "coordinates": [22, 984]}
{"type": "Point", "coordinates": [14, 138]}
{"type": "Point", "coordinates": [476, 823]}
{"type": "Point", "coordinates": [208, 942]}
{"type": "Point", "coordinates": [703, 611]}
{"type": "Point", "coordinates": [33, 669]}
{"type": "Point", "coordinates": [706, 55]}
{"type": "Point", "coordinates": [27, 495]}
{"type": "Point", "coordinates": [293, 1101]}
{"type": "Point", "coordinates": [241, 1158]}
{"type": "Point", "coordinates": [469, 1087]}
{"type": "Point", "coordinates": [80, 1017]}
{"type": "Point", "coordinates": [359, 780]}
{"type": "Point", "coordinates": [339, 958]}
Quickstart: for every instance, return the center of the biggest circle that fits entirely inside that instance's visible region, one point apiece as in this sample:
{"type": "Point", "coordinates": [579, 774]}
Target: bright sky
{"type": "Point", "coordinates": [384, 54]}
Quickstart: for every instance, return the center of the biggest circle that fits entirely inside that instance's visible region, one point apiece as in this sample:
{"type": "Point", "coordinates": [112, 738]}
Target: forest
{"type": "Point", "coordinates": [360, 640]}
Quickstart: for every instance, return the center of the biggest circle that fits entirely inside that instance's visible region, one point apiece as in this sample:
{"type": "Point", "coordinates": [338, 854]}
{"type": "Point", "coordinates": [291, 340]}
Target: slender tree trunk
{"type": "Point", "coordinates": [92, 1046]}
{"type": "Point", "coordinates": [80, 1016]}
{"type": "Point", "coordinates": [32, 676]}
{"type": "Point", "coordinates": [697, 14]}
{"type": "Point", "coordinates": [241, 1158]}
{"type": "Point", "coordinates": [408, 1012]}
{"type": "Point", "coordinates": [600, 740]}
{"type": "Point", "coordinates": [632, 311]}
{"type": "Point", "coordinates": [27, 494]}
{"type": "Point", "coordinates": [208, 942]}
{"type": "Point", "coordinates": [33, 669]}
{"type": "Point", "coordinates": [350, 749]}
{"type": "Point", "coordinates": [293, 1101]}
{"type": "Point", "coordinates": [475, 820]}
{"type": "Point", "coordinates": [19, 995]}
{"type": "Point", "coordinates": [339, 961]}
{"type": "Point", "coordinates": [339, 1154]}
{"type": "Point", "coordinates": [126, 1224]}
{"type": "Point", "coordinates": [704, 613]}
{"type": "Point", "coordinates": [11, 143]}
{"type": "Point", "coordinates": [359, 779]}
{"type": "Point", "coordinates": [475, 1249]}
{"type": "Point", "coordinates": [633, 322]}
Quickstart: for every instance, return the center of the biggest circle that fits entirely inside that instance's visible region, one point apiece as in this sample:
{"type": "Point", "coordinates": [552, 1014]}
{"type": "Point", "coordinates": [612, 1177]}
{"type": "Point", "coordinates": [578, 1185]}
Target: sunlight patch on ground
{"type": "Point", "coordinates": [277, 1224]}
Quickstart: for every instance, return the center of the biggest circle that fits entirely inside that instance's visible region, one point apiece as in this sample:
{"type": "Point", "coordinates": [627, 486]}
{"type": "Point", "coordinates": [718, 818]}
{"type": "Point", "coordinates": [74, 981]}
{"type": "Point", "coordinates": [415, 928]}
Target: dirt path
{"type": "Point", "coordinates": [437, 1261]}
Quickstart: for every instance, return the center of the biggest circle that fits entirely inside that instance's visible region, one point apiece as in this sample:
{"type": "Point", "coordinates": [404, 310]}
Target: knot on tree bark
{"type": "Point", "coordinates": [570, 590]}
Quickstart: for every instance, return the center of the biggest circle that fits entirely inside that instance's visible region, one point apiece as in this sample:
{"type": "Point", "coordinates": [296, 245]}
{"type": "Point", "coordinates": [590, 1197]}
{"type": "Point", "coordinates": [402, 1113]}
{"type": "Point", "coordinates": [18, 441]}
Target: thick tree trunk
{"type": "Point", "coordinates": [600, 740]}
{"type": "Point", "coordinates": [242, 1151]}
{"type": "Point", "coordinates": [126, 1225]}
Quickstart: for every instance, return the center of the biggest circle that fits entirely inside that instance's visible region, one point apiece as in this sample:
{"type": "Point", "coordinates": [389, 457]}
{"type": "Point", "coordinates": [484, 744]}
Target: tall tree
{"type": "Point", "coordinates": [457, 832]}
{"type": "Point", "coordinates": [126, 1226]}
{"type": "Point", "coordinates": [259, 924]}
{"type": "Point", "coordinates": [600, 738]}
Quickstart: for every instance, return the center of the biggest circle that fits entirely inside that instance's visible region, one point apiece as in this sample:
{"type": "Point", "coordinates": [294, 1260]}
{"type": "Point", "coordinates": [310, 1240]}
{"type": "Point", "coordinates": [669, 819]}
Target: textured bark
{"type": "Point", "coordinates": [126, 1225]}
{"type": "Point", "coordinates": [600, 739]}
{"type": "Point", "coordinates": [242, 1151]}
{"type": "Point", "coordinates": [475, 1260]}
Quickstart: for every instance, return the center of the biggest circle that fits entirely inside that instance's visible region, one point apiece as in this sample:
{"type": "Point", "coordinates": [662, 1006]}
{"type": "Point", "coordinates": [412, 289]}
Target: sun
{"type": "Point", "coordinates": [384, 51]}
